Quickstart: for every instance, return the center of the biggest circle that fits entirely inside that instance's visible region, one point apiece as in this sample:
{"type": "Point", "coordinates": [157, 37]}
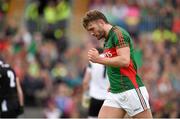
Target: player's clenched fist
{"type": "Point", "coordinates": [93, 55]}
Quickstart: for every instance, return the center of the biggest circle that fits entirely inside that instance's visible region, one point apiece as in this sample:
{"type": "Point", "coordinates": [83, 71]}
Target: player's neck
{"type": "Point", "coordinates": [107, 29]}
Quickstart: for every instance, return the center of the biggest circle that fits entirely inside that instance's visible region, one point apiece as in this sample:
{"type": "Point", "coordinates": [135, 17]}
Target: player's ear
{"type": "Point", "coordinates": [100, 21]}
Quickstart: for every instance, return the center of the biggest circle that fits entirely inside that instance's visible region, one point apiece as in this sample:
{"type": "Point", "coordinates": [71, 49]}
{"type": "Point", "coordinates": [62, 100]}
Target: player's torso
{"type": "Point", "coordinates": [9, 96]}
{"type": "Point", "coordinates": [120, 78]}
{"type": "Point", "coordinates": [8, 83]}
{"type": "Point", "coordinates": [99, 82]}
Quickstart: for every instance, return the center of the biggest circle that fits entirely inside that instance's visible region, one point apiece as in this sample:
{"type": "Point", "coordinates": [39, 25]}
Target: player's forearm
{"type": "Point", "coordinates": [85, 87]}
{"type": "Point", "coordinates": [85, 84]}
{"type": "Point", "coordinates": [86, 80]}
{"type": "Point", "coordinates": [118, 61]}
{"type": "Point", "coordinates": [21, 97]}
{"type": "Point", "coordinates": [20, 93]}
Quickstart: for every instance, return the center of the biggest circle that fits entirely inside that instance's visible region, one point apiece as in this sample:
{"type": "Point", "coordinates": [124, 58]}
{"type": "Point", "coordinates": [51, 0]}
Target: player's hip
{"type": "Point", "coordinates": [133, 101]}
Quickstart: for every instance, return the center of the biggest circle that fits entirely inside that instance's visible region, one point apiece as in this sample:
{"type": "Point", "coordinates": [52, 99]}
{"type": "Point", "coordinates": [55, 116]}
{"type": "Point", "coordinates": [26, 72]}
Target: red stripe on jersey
{"type": "Point", "coordinates": [111, 52]}
{"type": "Point", "coordinates": [130, 72]}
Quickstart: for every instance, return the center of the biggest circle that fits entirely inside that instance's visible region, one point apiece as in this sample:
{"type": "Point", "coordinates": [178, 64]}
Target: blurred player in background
{"type": "Point", "coordinates": [96, 83]}
{"type": "Point", "coordinates": [127, 92]}
{"type": "Point", "coordinates": [11, 98]}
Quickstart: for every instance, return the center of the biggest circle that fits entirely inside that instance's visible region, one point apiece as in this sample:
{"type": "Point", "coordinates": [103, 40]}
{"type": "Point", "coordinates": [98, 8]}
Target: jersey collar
{"type": "Point", "coordinates": [110, 31]}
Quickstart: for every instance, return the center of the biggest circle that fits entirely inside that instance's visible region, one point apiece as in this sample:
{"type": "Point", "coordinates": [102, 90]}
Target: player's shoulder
{"type": "Point", "coordinates": [6, 67]}
{"type": "Point", "coordinates": [122, 31]}
{"type": "Point", "coordinates": [2, 69]}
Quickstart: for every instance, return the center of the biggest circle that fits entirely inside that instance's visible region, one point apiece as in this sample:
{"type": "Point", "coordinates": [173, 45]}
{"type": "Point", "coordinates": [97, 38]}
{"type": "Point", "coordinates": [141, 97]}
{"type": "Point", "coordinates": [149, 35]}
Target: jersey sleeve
{"type": "Point", "coordinates": [120, 41]}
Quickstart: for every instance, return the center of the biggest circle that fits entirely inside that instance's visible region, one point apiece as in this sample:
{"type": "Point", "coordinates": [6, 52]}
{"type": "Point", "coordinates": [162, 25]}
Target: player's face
{"type": "Point", "coordinates": [95, 29]}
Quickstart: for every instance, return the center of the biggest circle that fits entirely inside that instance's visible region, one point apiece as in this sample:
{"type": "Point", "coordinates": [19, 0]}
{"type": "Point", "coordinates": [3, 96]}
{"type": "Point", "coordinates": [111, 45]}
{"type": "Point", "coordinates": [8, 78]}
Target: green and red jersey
{"type": "Point", "coordinates": [121, 78]}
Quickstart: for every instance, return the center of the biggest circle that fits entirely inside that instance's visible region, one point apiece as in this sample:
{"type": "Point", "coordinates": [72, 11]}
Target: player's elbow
{"type": "Point", "coordinates": [126, 62]}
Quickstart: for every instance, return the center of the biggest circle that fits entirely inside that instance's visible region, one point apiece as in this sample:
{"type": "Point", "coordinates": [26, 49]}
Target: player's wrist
{"type": "Point", "coordinates": [100, 60]}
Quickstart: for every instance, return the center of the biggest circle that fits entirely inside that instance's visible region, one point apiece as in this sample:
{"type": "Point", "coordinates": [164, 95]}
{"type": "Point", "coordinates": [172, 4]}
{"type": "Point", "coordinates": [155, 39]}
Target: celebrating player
{"type": "Point", "coordinates": [127, 92]}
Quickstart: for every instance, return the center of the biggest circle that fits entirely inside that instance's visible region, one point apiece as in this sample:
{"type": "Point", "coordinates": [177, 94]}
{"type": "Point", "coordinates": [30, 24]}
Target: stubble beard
{"type": "Point", "coordinates": [101, 35]}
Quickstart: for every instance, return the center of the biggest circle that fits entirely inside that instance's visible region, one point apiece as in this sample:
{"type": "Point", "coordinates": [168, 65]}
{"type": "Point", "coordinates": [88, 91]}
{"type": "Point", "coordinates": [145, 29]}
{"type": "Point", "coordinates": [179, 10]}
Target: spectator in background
{"type": "Point", "coordinates": [4, 7]}
{"type": "Point", "coordinates": [63, 100]}
{"type": "Point", "coordinates": [32, 16]}
{"type": "Point", "coordinates": [51, 111]}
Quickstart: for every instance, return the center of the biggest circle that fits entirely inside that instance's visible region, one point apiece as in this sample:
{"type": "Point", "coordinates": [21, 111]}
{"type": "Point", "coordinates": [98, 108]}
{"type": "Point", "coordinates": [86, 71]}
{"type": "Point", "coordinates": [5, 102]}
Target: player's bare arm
{"type": "Point", "coordinates": [20, 92]}
{"type": "Point", "coordinates": [87, 78]}
{"type": "Point", "coordinates": [121, 60]}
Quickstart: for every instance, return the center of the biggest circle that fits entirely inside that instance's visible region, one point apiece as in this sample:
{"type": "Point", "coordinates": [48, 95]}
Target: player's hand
{"type": "Point", "coordinates": [20, 110]}
{"type": "Point", "coordinates": [93, 55]}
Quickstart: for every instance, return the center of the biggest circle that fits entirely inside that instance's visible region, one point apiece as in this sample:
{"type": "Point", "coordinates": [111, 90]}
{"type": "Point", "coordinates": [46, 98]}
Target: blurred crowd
{"type": "Point", "coordinates": [51, 70]}
{"type": "Point", "coordinates": [38, 50]}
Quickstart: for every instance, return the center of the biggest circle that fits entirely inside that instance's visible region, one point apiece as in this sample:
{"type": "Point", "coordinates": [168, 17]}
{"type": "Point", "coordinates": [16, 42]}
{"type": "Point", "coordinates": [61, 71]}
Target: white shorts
{"type": "Point", "coordinates": [132, 101]}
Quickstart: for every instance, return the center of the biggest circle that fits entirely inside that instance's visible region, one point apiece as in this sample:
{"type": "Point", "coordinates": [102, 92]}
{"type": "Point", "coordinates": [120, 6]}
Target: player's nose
{"type": "Point", "coordinates": [92, 34]}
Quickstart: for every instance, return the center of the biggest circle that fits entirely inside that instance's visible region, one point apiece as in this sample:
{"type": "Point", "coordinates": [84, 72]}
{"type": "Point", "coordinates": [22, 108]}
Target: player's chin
{"type": "Point", "coordinates": [99, 38]}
